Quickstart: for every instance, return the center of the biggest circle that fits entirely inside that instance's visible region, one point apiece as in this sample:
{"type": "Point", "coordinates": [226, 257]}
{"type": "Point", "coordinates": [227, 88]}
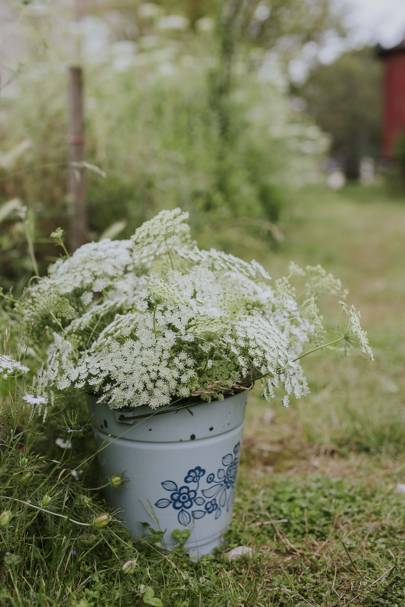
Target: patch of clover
{"type": "Point", "coordinates": [202, 494]}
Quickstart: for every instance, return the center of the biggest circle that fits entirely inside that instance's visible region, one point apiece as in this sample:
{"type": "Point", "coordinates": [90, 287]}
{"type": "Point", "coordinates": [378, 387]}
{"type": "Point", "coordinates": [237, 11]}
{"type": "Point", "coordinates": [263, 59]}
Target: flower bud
{"type": "Point", "coordinates": [5, 518]}
{"type": "Point", "coordinates": [26, 478]}
{"type": "Point", "coordinates": [46, 500]}
{"type": "Point", "coordinates": [85, 500]}
{"type": "Point", "coordinates": [10, 559]}
{"type": "Point", "coordinates": [116, 480]}
{"type": "Point", "coordinates": [129, 566]}
{"type": "Point", "coordinates": [57, 234]}
{"type": "Point", "coordinates": [102, 520]}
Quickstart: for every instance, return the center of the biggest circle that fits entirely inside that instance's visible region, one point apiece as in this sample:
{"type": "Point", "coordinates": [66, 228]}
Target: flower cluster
{"type": "Point", "coordinates": [148, 243]}
{"type": "Point", "coordinates": [33, 400]}
{"type": "Point", "coordinates": [154, 320]}
{"type": "Point", "coordinates": [9, 367]}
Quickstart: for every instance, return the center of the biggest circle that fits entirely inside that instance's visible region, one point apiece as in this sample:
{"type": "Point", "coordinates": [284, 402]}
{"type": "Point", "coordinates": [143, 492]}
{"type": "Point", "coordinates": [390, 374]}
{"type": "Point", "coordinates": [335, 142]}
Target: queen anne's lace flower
{"type": "Point", "coordinates": [63, 444]}
{"type": "Point", "coordinates": [92, 267]}
{"type": "Point", "coordinates": [163, 234]}
{"type": "Point", "coordinates": [33, 400]}
{"type": "Point", "coordinates": [9, 367]}
{"type": "Point", "coordinates": [356, 331]}
{"type": "Point", "coordinates": [155, 320]}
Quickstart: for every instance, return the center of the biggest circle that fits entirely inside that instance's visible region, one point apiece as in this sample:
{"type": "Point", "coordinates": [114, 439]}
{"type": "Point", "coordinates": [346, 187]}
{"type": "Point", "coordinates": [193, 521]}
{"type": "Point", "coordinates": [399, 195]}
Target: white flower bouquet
{"type": "Point", "coordinates": [155, 320]}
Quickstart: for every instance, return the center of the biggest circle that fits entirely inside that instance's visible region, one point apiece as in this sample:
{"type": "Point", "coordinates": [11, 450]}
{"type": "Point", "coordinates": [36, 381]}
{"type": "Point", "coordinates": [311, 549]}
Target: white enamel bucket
{"type": "Point", "coordinates": [179, 468]}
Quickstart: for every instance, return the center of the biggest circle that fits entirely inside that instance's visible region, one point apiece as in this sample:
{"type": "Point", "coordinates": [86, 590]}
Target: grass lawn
{"type": "Point", "coordinates": [316, 495]}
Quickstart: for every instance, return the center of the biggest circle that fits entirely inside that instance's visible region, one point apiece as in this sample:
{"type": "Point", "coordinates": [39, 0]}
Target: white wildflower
{"type": "Point", "coordinates": [33, 400]}
{"type": "Point", "coordinates": [86, 298]}
{"type": "Point", "coordinates": [162, 235]}
{"type": "Point", "coordinates": [63, 444]}
{"type": "Point", "coordinates": [95, 263]}
{"type": "Point", "coordinates": [295, 270]}
{"type": "Point", "coordinates": [164, 320]}
{"type": "Point", "coordinates": [100, 284]}
{"type": "Point", "coordinates": [9, 367]}
{"type": "Point", "coordinates": [318, 280]}
{"type": "Point", "coordinates": [356, 330]}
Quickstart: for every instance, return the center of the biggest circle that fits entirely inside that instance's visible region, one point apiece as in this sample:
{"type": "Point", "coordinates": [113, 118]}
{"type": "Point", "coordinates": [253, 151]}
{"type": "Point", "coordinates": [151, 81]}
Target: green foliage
{"type": "Point", "coordinates": [113, 198]}
{"type": "Point", "coordinates": [14, 260]}
{"type": "Point", "coordinates": [266, 23]}
{"type": "Point", "coordinates": [344, 98]}
{"type": "Point", "coordinates": [149, 598]}
{"type": "Point", "coordinates": [163, 129]}
{"type": "Point", "coordinates": [311, 535]}
{"type": "Point", "coordinates": [366, 412]}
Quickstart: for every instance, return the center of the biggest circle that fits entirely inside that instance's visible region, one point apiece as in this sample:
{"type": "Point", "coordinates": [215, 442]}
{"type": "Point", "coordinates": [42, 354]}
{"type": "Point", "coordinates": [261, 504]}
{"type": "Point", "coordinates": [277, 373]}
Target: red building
{"type": "Point", "coordinates": [394, 96]}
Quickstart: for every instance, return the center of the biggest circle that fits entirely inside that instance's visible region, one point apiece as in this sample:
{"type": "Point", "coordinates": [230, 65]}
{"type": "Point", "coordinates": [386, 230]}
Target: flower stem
{"type": "Point", "coordinates": [320, 347]}
{"type": "Point", "coordinates": [67, 518]}
{"type": "Point", "coordinates": [29, 235]}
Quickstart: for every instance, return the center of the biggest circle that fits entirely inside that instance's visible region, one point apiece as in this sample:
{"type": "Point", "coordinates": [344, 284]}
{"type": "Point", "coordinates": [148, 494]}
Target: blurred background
{"type": "Point", "coordinates": [230, 109]}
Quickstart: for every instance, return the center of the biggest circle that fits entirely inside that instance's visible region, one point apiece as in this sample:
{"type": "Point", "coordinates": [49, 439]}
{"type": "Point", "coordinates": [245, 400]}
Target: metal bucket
{"type": "Point", "coordinates": [179, 468]}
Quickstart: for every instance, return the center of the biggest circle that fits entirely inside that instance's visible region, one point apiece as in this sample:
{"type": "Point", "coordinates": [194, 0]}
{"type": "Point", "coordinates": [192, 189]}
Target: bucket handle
{"type": "Point", "coordinates": [129, 419]}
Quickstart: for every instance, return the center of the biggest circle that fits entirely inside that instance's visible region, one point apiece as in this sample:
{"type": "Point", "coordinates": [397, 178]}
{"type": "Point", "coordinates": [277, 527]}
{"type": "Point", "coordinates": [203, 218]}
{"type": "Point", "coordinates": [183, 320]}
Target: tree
{"type": "Point", "coordinates": [284, 26]}
{"type": "Point", "coordinates": [243, 33]}
{"type": "Point", "coordinates": [344, 98]}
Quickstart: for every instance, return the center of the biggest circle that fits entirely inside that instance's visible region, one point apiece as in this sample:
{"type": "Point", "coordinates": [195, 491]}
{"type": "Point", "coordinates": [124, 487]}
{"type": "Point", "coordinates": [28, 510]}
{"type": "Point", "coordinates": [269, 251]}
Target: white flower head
{"type": "Point", "coordinates": [10, 367]}
{"type": "Point", "coordinates": [63, 444]}
{"type": "Point", "coordinates": [356, 331]}
{"type": "Point", "coordinates": [154, 320]}
{"type": "Point", "coordinates": [33, 400]}
{"type": "Point", "coordinates": [86, 298]}
{"type": "Point", "coordinates": [161, 235]}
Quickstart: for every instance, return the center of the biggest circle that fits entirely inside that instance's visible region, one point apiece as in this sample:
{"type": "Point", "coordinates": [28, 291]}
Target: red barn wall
{"type": "Point", "coordinates": [394, 101]}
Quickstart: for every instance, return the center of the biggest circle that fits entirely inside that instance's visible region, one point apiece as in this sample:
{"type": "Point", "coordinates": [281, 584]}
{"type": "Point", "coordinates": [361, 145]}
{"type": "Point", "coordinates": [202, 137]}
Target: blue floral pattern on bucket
{"type": "Point", "coordinates": [211, 506]}
{"type": "Point", "coordinates": [214, 497]}
{"type": "Point", "coordinates": [194, 475]}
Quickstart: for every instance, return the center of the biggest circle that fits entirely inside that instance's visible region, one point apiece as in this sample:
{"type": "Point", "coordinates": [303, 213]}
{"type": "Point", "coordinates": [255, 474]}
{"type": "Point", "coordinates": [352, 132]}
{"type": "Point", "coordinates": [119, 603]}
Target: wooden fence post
{"type": "Point", "coordinates": [76, 178]}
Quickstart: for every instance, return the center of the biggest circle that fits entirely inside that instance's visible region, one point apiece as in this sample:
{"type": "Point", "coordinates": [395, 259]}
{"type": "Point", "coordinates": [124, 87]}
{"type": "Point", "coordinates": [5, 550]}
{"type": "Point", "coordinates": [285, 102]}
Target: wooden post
{"type": "Point", "coordinates": [76, 181]}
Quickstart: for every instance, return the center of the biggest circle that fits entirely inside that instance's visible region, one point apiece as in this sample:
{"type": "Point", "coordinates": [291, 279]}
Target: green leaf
{"type": "Point", "coordinates": [149, 598]}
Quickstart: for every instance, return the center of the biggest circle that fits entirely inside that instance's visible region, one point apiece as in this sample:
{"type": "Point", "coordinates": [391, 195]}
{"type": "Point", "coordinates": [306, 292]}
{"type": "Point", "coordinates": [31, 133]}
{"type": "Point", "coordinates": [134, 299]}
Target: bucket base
{"type": "Point", "coordinates": [197, 552]}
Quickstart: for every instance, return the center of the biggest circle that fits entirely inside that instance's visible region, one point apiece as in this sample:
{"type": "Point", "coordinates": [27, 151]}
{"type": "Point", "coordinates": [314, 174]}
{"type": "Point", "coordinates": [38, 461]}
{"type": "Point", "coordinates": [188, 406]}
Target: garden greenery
{"type": "Point", "coordinates": [154, 320]}
{"type": "Point", "coordinates": [161, 144]}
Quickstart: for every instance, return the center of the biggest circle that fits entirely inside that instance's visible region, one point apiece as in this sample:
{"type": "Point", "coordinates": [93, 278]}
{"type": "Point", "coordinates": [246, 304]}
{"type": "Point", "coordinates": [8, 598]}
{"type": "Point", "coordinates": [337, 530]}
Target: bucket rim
{"type": "Point", "coordinates": [144, 411]}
